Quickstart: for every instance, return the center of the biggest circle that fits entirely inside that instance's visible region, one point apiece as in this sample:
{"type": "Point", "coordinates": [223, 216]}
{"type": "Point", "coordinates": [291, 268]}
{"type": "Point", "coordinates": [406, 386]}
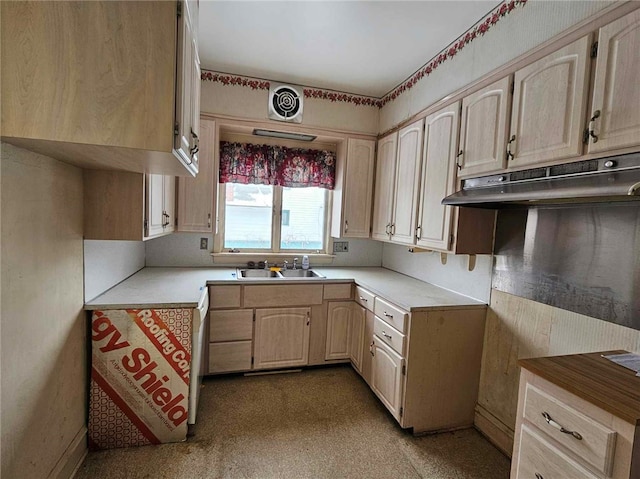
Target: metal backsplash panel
{"type": "Point", "coordinates": [582, 259]}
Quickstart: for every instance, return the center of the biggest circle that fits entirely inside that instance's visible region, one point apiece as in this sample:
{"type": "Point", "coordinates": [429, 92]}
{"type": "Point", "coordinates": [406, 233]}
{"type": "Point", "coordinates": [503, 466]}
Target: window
{"type": "Point", "coordinates": [274, 218]}
{"type": "Point", "coordinates": [274, 199]}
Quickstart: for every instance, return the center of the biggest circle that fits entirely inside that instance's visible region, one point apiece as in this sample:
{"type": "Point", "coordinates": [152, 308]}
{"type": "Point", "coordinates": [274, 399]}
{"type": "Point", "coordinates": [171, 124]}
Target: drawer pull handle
{"type": "Point", "coordinates": [371, 347]}
{"type": "Point", "coordinates": [388, 315]}
{"type": "Point", "coordinates": [363, 299]}
{"type": "Point", "coordinates": [539, 476]}
{"type": "Point", "coordinates": [388, 336]}
{"type": "Point", "coordinates": [551, 422]}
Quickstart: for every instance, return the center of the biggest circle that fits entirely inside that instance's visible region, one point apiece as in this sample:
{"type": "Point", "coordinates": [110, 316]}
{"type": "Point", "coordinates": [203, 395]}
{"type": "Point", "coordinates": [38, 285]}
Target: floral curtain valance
{"type": "Point", "coordinates": [276, 165]}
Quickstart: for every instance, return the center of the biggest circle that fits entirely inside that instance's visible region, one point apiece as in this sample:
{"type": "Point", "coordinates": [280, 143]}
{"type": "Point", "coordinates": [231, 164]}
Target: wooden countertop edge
{"type": "Point", "coordinates": [605, 388]}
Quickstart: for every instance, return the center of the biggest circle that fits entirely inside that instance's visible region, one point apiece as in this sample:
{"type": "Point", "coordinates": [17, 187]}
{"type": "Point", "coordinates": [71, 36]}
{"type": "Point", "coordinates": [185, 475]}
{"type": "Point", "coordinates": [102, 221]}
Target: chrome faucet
{"type": "Point", "coordinates": [285, 265]}
{"type": "Point", "coordinates": [295, 263]}
{"type": "Point", "coordinates": [266, 264]}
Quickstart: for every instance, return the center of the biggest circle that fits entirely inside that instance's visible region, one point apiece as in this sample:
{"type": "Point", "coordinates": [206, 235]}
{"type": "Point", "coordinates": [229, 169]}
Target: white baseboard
{"type": "Point", "coordinates": [72, 457]}
{"type": "Point", "coordinates": [498, 433]}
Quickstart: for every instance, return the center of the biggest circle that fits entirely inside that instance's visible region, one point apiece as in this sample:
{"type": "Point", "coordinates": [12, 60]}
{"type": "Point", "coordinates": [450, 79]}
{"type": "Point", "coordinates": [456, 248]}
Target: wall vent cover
{"type": "Point", "coordinates": [285, 104]}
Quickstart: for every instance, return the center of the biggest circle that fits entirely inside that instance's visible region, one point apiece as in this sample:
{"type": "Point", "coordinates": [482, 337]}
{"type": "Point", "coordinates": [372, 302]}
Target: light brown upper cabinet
{"type": "Point", "coordinates": [397, 184]}
{"type": "Point", "coordinates": [549, 105]}
{"type": "Point", "coordinates": [483, 134]}
{"type": "Point", "coordinates": [407, 184]}
{"type": "Point", "coordinates": [121, 205]}
{"type": "Point", "coordinates": [438, 177]}
{"type": "Point", "coordinates": [95, 83]}
{"type": "Point", "coordinates": [615, 111]}
{"type": "Point", "coordinates": [383, 193]}
{"type": "Point", "coordinates": [196, 196]}
{"type": "Point", "coordinates": [160, 205]}
{"type": "Point", "coordinates": [352, 195]}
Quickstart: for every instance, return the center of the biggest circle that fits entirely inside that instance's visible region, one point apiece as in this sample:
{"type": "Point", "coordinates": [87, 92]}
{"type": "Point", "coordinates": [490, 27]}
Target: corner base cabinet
{"type": "Point", "coordinates": [578, 417]}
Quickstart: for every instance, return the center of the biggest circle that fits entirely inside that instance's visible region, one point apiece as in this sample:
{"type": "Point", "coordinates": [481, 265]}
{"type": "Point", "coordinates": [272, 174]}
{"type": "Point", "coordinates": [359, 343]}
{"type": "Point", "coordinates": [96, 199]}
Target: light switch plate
{"type": "Point", "coordinates": [204, 243]}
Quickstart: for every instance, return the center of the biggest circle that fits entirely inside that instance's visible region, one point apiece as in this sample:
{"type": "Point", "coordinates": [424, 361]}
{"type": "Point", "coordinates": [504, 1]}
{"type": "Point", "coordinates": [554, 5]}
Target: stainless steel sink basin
{"type": "Point", "coordinates": [282, 274]}
{"type": "Point", "coordinates": [257, 273]}
{"type": "Point", "coordinates": [300, 273]}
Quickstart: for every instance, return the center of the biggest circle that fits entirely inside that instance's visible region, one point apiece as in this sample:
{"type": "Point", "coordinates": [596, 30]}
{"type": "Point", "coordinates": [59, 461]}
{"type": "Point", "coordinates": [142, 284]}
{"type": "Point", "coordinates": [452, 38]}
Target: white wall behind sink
{"type": "Point", "coordinates": [183, 249]}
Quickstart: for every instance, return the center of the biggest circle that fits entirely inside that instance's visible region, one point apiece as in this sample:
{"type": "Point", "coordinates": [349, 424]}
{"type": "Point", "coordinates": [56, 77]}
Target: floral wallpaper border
{"type": "Point", "coordinates": [449, 52]}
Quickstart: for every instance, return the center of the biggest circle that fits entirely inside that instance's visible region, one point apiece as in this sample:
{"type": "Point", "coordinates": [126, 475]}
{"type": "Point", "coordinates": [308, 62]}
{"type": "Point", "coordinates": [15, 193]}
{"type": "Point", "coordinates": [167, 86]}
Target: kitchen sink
{"type": "Point", "coordinates": [282, 274]}
{"type": "Point", "coordinates": [257, 273]}
{"type": "Point", "coordinates": [300, 273]}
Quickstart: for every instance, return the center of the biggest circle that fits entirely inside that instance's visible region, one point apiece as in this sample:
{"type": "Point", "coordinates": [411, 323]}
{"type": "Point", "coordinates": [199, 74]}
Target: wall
{"type": "Point", "coordinates": [183, 249]}
{"type": "Point", "coordinates": [522, 30]}
{"type": "Point", "coordinates": [243, 102]}
{"type": "Point", "coordinates": [106, 263]}
{"type": "Point", "coordinates": [43, 325]}
{"type": "Point", "coordinates": [454, 275]}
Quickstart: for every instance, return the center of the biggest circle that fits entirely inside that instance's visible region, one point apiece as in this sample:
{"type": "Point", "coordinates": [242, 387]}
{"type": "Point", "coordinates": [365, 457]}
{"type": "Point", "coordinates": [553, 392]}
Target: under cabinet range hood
{"type": "Point", "coordinates": [604, 180]}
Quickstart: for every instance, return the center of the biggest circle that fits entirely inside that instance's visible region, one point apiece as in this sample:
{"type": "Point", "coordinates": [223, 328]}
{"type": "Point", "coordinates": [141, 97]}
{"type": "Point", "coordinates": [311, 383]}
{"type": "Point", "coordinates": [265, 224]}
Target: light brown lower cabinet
{"type": "Point", "coordinates": [425, 365]}
{"type": "Point", "coordinates": [559, 434]}
{"type": "Point", "coordinates": [386, 376]}
{"type": "Point", "coordinates": [281, 337]}
{"type": "Point", "coordinates": [356, 347]}
{"type": "Point", "coordinates": [230, 340]}
{"type": "Point", "coordinates": [339, 330]}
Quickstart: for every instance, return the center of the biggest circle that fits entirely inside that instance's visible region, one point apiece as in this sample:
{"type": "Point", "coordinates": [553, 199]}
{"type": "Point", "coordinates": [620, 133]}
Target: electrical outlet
{"type": "Point", "coordinates": [204, 243]}
{"type": "Point", "coordinates": [341, 247]}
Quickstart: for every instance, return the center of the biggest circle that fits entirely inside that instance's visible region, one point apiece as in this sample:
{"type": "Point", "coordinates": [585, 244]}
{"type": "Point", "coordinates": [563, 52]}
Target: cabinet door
{"type": "Point", "coordinates": [407, 184]}
{"type": "Point", "coordinates": [195, 102]}
{"type": "Point", "coordinates": [549, 106]}
{"type": "Point", "coordinates": [155, 205]}
{"type": "Point", "coordinates": [385, 181]}
{"type": "Point", "coordinates": [281, 337]}
{"type": "Point", "coordinates": [616, 90]}
{"type": "Point", "coordinates": [386, 377]}
{"type": "Point", "coordinates": [367, 347]}
{"type": "Point", "coordinates": [196, 196]}
{"type": "Point", "coordinates": [184, 138]}
{"type": "Point", "coordinates": [358, 186]}
{"type": "Point", "coordinates": [438, 178]}
{"type": "Point", "coordinates": [338, 330]}
{"type": "Point", "coordinates": [169, 203]}
{"type": "Point", "coordinates": [483, 134]}
{"type": "Point", "coordinates": [358, 319]}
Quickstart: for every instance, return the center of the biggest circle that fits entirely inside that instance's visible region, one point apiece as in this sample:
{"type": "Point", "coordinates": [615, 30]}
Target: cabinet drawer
{"type": "Point", "coordinates": [232, 356]}
{"type": "Point", "coordinates": [391, 314]}
{"type": "Point", "coordinates": [389, 335]}
{"type": "Point", "coordinates": [538, 458]}
{"type": "Point", "coordinates": [337, 291]}
{"type": "Point", "coordinates": [231, 325]}
{"type": "Point", "coordinates": [597, 443]}
{"type": "Point", "coordinates": [280, 296]}
{"type": "Point", "coordinates": [224, 297]}
{"type": "Point", "coordinates": [364, 298]}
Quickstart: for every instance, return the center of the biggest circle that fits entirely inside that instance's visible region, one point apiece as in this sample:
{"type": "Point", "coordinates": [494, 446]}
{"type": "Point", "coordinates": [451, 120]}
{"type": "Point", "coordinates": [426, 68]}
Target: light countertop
{"type": "Point", "coordinates": [183, 287]}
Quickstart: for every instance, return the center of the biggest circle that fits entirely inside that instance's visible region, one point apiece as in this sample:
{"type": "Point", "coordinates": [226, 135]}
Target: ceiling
{"type": "Point", "coordinates": [361, 47]}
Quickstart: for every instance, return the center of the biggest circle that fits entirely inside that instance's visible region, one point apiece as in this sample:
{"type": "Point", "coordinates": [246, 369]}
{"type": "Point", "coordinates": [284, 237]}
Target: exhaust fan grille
{"type": "Point", "coordinates": [285, 104]}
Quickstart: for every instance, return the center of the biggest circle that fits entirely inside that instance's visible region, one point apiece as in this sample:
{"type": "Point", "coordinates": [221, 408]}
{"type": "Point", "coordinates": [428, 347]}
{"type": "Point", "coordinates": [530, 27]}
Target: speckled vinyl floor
{"type": "Point", "coordinates": [320, 423]}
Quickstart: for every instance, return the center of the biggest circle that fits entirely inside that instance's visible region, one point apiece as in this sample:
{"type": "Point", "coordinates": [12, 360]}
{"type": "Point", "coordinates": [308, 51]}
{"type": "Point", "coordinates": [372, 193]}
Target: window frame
{"type": "Point", "coordinates": [276, 228]}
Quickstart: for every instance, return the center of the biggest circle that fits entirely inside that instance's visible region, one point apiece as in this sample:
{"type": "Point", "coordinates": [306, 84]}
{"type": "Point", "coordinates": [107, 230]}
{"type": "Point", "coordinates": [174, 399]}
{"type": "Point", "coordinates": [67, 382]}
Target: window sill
{"type": "Point", "coordinates": [241, 259]}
